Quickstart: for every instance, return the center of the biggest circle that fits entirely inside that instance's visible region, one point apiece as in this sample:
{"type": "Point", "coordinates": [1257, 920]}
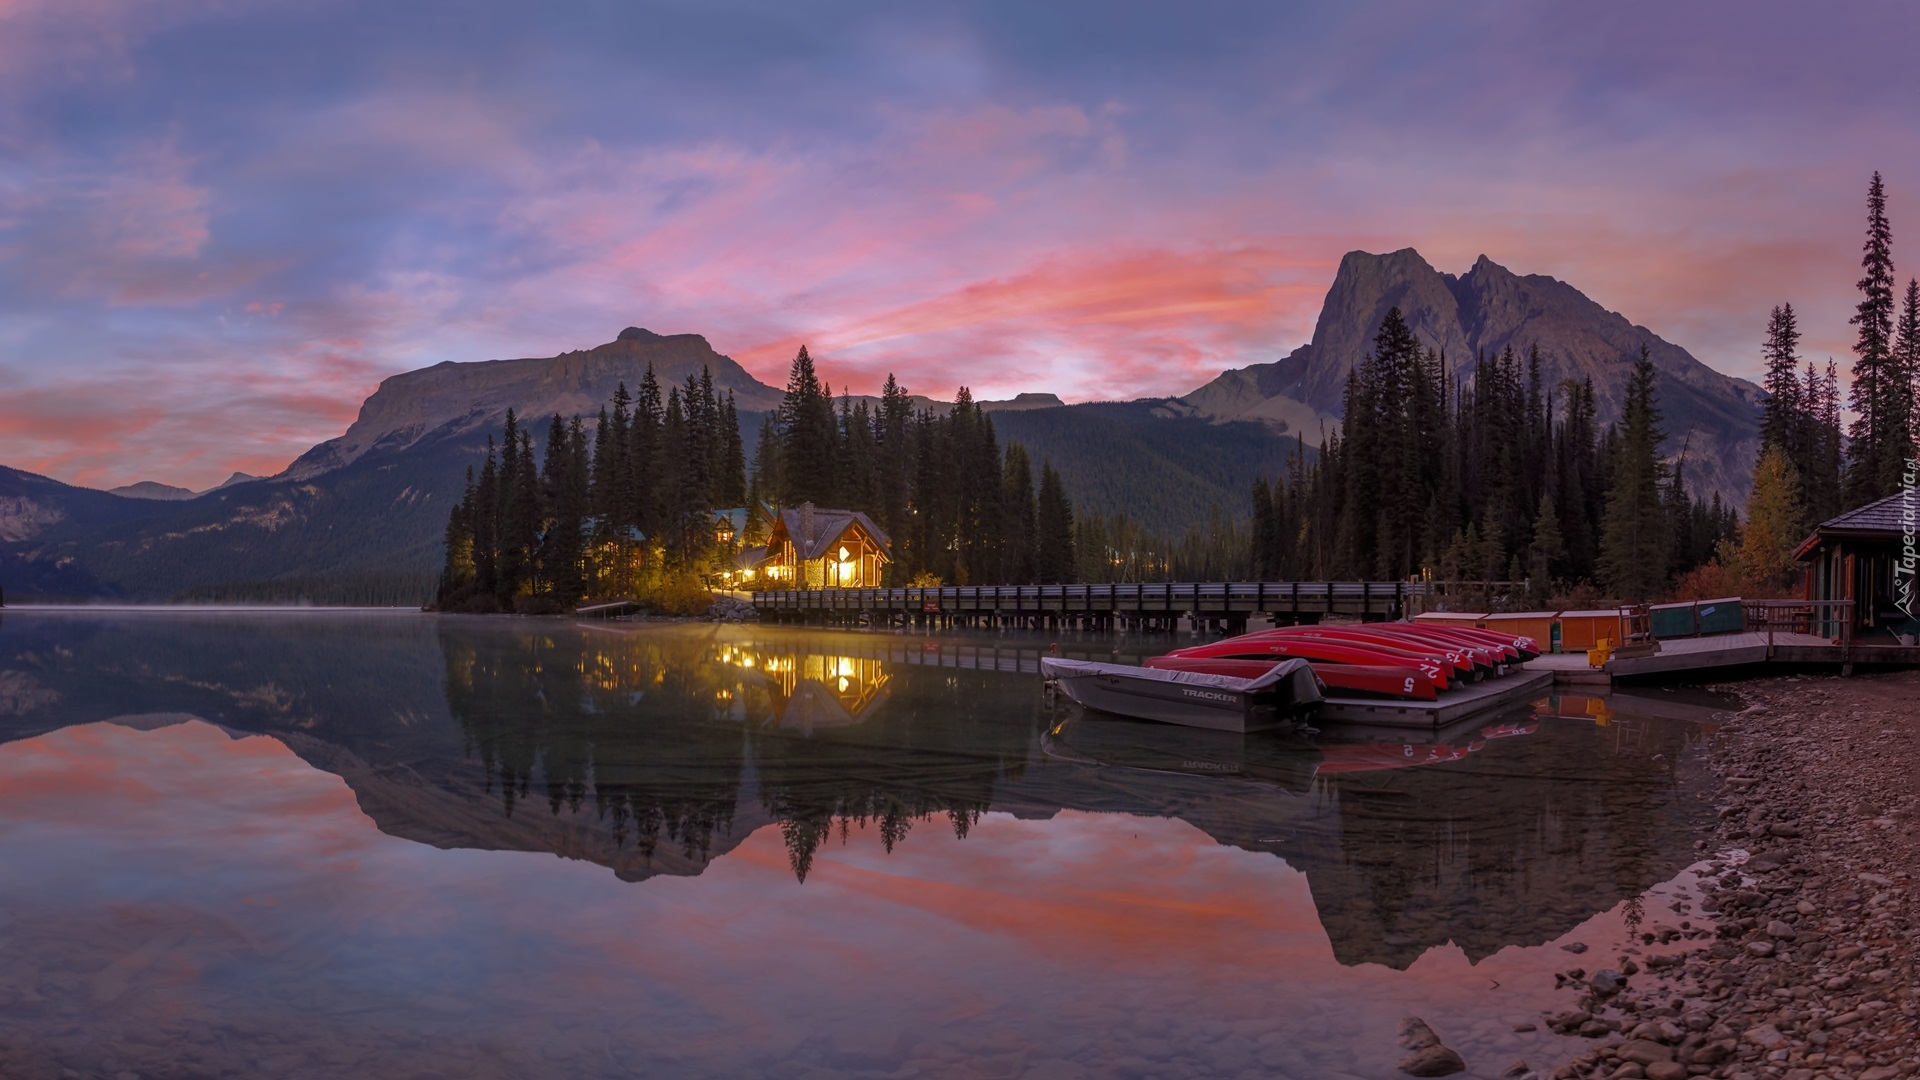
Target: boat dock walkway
{"type": "Point", "coordinates": [1752, 648]}
{"type": "Point", "coordinates": [1135, 605]}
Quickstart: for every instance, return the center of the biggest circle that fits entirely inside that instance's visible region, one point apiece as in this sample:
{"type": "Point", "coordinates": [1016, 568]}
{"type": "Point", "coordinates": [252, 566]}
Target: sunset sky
{"type": "Point", "coordinates": [223, 222]}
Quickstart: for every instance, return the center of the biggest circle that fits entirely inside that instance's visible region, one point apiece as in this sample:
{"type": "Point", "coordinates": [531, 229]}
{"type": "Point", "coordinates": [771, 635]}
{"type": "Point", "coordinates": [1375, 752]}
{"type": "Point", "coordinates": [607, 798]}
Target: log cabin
{"type": "Point", "coordinates": [812, 548]}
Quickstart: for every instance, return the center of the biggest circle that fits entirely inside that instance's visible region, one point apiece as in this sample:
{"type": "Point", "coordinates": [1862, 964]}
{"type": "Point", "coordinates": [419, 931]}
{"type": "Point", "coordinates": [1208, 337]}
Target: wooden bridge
{"type": "Point", "coordinates": [1139, 605]}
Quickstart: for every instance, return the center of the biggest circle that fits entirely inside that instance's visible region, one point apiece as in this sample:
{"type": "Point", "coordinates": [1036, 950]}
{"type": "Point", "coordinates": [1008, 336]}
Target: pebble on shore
{"type": "Point", "coordinates": [1807, 969]}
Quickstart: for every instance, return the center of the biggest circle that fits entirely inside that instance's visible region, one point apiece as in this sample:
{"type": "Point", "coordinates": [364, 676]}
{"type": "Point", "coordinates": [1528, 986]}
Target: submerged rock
{"type": "Point", "coordinates": [1429, 1057]}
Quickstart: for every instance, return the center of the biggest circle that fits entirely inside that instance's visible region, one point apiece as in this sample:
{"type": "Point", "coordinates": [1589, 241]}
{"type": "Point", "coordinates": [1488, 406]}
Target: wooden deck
{"type": "Point", "coordinates": [1749, 649]}
{"type": "Point", "coordinates": [1454, 705]}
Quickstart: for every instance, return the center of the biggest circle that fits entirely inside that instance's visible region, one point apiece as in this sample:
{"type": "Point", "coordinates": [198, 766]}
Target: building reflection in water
{"type": "Point", "coordinates": [810, 691]}
{"type": "Point", "coordinates": [658, 750]}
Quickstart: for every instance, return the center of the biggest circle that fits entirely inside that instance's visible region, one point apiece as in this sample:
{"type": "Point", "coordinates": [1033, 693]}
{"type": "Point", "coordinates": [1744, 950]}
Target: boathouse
{"type": "Point", "coordinates": [1867, 556]}
{"type": "Point", "coordinates": [812, 548]}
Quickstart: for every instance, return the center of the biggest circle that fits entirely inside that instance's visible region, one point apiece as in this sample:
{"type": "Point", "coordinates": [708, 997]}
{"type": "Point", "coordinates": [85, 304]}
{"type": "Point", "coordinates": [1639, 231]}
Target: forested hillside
{"type": "Point", "coordinates": [1164, 473]}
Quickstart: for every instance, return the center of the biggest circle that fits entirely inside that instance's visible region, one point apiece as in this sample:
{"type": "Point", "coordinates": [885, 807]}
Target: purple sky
{"type": "Point", "coordinates": [222, 223]}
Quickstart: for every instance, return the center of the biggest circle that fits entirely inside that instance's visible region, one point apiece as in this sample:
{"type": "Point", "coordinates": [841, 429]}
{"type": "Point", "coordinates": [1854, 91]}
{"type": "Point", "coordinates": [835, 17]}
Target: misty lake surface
{"type": "Point", "coordinates": [358, 844]}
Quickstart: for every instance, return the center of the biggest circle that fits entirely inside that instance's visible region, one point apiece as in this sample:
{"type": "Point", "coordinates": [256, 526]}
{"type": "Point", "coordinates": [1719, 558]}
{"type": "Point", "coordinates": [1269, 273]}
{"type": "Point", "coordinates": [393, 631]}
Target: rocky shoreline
{"type": "Point", "coordinates": [1798, 960]}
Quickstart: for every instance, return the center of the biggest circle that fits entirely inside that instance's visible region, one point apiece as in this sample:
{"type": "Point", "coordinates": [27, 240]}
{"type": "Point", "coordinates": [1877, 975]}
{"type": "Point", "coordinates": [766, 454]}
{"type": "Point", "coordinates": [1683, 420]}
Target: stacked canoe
{"type": "Point", "coordinates": [1395, 660]}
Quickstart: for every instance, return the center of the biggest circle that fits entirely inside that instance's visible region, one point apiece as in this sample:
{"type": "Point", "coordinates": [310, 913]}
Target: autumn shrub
{"type": "Point", "coordinates": [1582, 597]}
{"type": "Point", "coordinates": [677, 596]}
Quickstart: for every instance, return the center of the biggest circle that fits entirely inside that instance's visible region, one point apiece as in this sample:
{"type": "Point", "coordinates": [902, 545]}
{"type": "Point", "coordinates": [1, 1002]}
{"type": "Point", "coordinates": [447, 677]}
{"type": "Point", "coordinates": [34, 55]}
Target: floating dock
{"type": "Point", "coordinates": [1460, 703]}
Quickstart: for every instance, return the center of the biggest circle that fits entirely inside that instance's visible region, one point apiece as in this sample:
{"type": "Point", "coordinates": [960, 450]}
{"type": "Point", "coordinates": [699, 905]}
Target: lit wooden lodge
{"type": "Point", "coordinates": [811, 548]}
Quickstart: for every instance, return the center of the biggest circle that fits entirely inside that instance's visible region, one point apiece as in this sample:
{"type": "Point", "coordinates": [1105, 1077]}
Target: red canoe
{"type": "Point", "coordinates": [1391, 644]}
{"type": "Point", "coordinates": [1529, 648]}
{"type": "Point", "coordinates": [1382, 679]}
{"type": "Point", "coordinates": [1329, 650]}
{"type": "Point", "coordinates": [1484, 655]}
{"type": "Point", "coordinates": [1502, 652]}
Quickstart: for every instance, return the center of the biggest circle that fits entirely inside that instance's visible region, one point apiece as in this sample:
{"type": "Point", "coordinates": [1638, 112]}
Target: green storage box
{"type": "Point", "coordinates": [1723, 616]}
{"type": "Point", "coordinates": [1674, 620]}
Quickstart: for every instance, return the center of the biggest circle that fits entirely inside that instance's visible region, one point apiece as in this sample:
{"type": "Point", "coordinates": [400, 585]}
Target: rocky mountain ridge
{"type": "Point", "coordinates": [1485, 310]}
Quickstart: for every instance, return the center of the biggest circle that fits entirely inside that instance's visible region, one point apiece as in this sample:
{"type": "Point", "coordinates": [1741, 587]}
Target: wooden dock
{"type": "Point", "coordinates": [1457, 704]}
{"type": "Point", "coordinates": [1139, 605]}
{"type": "Point", "coordinates": [1751, 649]}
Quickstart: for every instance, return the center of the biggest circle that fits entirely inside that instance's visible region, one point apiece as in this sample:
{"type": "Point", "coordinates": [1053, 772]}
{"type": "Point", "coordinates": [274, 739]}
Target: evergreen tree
{"type": "Point", "coordinates": [514, 558]}
{"type": "Point", "coordinates": [642, 496]}
{"type": "Point", "coordinates": [1881, 430]}
{"type": "Point", "coordinates": [1822, 478]}
{"type": "Point", "coordinates": [520, 527]}
{"type": "Point", "coordinates": [684, 488]}
{"type": "Point", "coordinates": [859, 486]}
{"type": "Point", "coordinates": [1020, 526]}
{"type": "Point", "coordinates": [1634, 541]}
{"type": "Point", "coordinates": [768, 483]}
{"type": "Point", "coordinates": [893, 466]}
{"type": "Point", "coordinates": [562, 543]}
{"type": "Point", "coordinates": [1904, 371]}
{"type": "Point", "coordinates": [1054, 555]}
{"type": "Point", "coordinates": [808, 437]}
{"type": "Point", "coordinates": [457, 574]}
{"type": "Point", "coordinates": [1580, 479]}
{"type": "Point", "coordinates": [732, 490]}
{"type": "Point", "coordinates": [977, 511]}
{"type": "Point", "coordinates": [1783, 421]}
{"type": "Point", "coordinates": [1265, 526]}
{"type": "Point", "coordinates": [1547, 552]}
{"type": "Point", "coordinates": [485, 519]}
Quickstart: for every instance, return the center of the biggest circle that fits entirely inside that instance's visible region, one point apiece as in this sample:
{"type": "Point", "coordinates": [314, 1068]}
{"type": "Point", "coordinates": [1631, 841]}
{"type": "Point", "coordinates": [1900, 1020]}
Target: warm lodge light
{"type": "Point", "coordinates": [853, 685]}
{"type": "Point", "coordinates": [811, 548]}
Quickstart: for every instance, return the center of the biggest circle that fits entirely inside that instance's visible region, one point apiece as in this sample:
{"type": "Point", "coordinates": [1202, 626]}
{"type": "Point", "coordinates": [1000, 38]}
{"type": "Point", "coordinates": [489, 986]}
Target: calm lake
{"type": "Point", "coordinates": [337, 844]}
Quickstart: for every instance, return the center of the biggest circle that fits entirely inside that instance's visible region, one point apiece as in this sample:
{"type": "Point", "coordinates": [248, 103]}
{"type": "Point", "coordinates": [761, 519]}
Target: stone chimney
{"type": "Point", "coordinates": [806, 523]}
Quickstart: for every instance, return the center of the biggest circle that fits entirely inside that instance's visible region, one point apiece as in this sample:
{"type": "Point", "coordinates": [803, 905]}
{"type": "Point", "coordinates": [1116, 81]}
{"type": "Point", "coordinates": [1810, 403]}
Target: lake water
{"type": "Point", "coordinates": [324, 844]}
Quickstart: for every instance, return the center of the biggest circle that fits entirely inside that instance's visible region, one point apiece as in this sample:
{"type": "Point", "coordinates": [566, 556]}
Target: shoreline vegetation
{"type": "Point", "coordinates": [1807, 967]}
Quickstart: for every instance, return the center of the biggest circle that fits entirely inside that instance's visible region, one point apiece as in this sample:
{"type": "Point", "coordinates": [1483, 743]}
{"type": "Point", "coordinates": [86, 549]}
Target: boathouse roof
{"type": "Point", "coordinates": [1884, 518]}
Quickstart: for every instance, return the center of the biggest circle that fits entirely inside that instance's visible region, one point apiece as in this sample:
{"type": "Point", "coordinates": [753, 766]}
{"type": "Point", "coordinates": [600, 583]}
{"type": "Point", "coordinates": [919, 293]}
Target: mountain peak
{"type": "Point", "coordinates": [151, 489]}
{"type": "Point", "coordinates": [463, 397]}
{"type": "Point", "coordinates": [1487, 310]}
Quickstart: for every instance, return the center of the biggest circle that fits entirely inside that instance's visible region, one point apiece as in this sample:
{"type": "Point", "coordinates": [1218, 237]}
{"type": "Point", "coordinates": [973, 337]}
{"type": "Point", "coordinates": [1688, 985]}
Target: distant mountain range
{"type": "Point", "coordinates": [359, 519]}
{"type": "Point", "coordinates": [153, 489]}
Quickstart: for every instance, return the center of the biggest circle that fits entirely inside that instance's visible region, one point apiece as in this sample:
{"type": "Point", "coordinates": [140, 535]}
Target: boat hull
{"type": "Point", "coordinates": [1189, 699]}
{"type": "Point", "coordinates": [1383, 680]}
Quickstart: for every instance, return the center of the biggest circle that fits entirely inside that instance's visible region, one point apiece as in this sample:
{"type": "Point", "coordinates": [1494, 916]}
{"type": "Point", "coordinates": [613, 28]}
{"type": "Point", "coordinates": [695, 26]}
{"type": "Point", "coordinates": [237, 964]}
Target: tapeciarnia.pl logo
{"type": "Point", "coordinates": [1903, 569]}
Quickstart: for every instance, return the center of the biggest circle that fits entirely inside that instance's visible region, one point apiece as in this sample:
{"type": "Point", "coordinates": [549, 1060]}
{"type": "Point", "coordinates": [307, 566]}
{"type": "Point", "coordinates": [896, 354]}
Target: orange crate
{"type": "Point", "coordinates": [1582, 630]}
{"type": "Point", "coordinates": [1537, 625]}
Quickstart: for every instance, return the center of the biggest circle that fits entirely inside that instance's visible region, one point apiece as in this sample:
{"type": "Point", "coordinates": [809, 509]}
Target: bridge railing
{"type": "Point", "coordinates": [1151, 597]}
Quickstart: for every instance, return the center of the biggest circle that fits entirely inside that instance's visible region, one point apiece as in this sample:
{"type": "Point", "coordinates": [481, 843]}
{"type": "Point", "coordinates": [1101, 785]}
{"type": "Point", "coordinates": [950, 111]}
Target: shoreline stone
{"type": "Point", "coordinates": [1800, 962]}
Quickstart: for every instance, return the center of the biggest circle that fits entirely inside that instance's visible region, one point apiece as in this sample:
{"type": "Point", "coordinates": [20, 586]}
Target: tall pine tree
{"type": "Point", "coordinates": [1634, 535]}
{"type": "Point", "coordinates": [1880, 430]}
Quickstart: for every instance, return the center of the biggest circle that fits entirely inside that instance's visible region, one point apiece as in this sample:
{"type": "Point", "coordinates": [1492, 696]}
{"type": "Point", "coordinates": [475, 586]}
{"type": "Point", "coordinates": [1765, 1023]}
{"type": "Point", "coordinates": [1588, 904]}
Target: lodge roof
{"type": "Point", "coordinates": [814, 531]}
{"type": "Point", "coordinates": [1879, 518]}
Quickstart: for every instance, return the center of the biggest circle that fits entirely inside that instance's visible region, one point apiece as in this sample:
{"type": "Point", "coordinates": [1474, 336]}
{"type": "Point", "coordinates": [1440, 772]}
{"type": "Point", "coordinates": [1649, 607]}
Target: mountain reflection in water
{"type": "Point", "coordinates": [657, 749]}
